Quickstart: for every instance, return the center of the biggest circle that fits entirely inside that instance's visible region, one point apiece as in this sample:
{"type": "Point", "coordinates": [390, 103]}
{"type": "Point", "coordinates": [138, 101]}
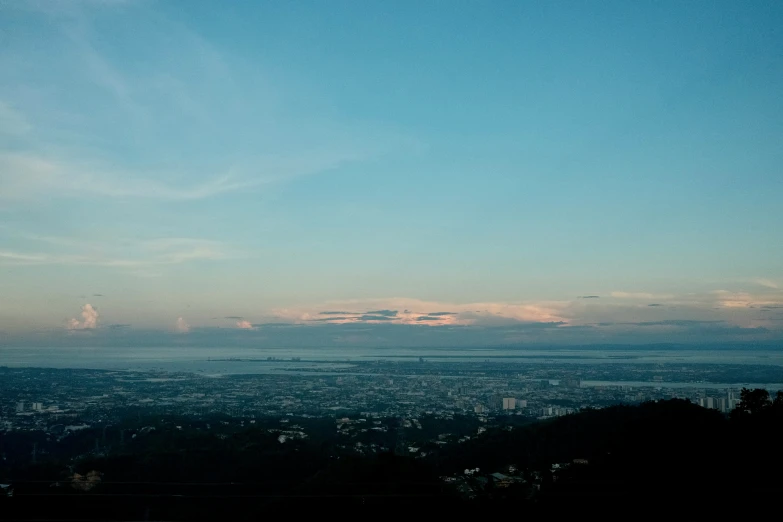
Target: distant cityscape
{"type": "Point", "coordinates": [435, 412]}
{"type": "Point", "coordinates": [67, 399]}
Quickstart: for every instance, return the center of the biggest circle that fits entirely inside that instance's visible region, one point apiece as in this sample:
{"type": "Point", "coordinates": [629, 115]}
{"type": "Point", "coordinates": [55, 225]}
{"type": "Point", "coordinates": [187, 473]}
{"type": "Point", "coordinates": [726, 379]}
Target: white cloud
{"type": "Point", "coordinates": [89, 319]}
{"type": "Point", "coordinates": [244, 325]}
{"type": "Point", "coordinates": [182, 326]}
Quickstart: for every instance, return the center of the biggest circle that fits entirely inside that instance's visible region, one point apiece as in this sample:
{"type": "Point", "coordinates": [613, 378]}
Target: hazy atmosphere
{"type": "Point", "coordinates": [434, 256]}
{"type": "Point", "coordinates": [347, 174]}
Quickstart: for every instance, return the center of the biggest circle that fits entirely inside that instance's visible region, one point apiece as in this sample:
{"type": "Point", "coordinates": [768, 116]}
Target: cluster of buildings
{"type": "Point", "coordinates": [723, 404]}
{"type": "Point", "coordinates": [33, 406]}
{"type": "Point", "coordinates": [35, 397]}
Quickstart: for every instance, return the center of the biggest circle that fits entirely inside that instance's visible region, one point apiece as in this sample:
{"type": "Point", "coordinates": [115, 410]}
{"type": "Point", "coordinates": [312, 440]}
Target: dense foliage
{"type": "Point", "coordinates": [674, 451]}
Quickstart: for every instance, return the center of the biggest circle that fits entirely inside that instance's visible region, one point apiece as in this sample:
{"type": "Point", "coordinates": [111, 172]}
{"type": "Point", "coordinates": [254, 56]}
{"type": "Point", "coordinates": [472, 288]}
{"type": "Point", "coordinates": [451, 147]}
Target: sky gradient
{"type": "Point", "coordinates": [375, 173]}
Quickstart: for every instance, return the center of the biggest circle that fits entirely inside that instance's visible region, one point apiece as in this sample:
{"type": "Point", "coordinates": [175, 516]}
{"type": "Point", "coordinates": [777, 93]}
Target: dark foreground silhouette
{"type": "Point", "coordinates": [669, 458]}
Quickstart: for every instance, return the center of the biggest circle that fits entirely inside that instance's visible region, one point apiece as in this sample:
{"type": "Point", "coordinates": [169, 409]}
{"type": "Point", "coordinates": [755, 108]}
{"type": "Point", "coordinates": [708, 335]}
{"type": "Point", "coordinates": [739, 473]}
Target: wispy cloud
{"type": "Point", "coordinates": [766, 283]}
{"type": "Point", "coordinates": [385, 313]}
{"type": "Point", "coordinates": [717, 299]}
{"type": "Point", "coordinates": [640, 295]}
{"type": "Point", "coordinates": [12, 122]}
{"type": "Point", "coordinates": [55, 7]}
{"type": "Point", "coordinates": [28, 175]}
{"type": "Point", "coordinates": [118, 326]}
{"type": "Point", "coordinates": [21, 258]}
{"type": "Point", "coordinates": [175, 89]}
{"type": "Point", "coordinates": [148, 253]}
{"type": "Point", "coordinates": [676, 322]}
{"type": "Point", "coordinates": [738, 300]}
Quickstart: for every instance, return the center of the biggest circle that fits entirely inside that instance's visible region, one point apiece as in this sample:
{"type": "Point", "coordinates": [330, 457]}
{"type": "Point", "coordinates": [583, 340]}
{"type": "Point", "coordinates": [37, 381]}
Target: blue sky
{"type": "Point", "coordinates": [168, 168]}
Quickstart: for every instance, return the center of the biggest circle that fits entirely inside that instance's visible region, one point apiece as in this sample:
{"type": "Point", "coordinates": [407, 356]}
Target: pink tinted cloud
{"type": "Point", "coordinates": [430, 313]}
{"type": "Point", "coordinates": [623, 310]}
{"type": "Point", "coordinates": [182, 325]}
{"type": "Point", "coordinates": [89, 319]}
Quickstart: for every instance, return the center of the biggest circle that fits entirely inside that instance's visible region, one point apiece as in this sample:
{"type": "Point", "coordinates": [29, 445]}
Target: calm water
{"type": "Point", "coordinates": [199, 359]}
{"type": "Point", "coordinates": [695, 385]}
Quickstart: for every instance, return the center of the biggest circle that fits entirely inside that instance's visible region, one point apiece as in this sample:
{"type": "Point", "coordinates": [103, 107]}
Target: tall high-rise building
{"type": "Point", "coordinates": [509, 403]}
{"type": "Point", "coordinates": [20, 406]}
{"type": "Point", "coordinates": [731, 399]}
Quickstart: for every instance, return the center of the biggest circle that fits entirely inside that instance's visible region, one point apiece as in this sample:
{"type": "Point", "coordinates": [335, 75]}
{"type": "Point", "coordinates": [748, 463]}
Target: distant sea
{"type": "Point", "coordinates": [254, 359]}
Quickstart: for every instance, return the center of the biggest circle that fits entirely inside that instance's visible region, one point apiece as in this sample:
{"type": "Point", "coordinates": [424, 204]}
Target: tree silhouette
{"type": "Point", "coordinates": [777, 404]}
{"type": "Point", "coordinates": [754, 402]}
